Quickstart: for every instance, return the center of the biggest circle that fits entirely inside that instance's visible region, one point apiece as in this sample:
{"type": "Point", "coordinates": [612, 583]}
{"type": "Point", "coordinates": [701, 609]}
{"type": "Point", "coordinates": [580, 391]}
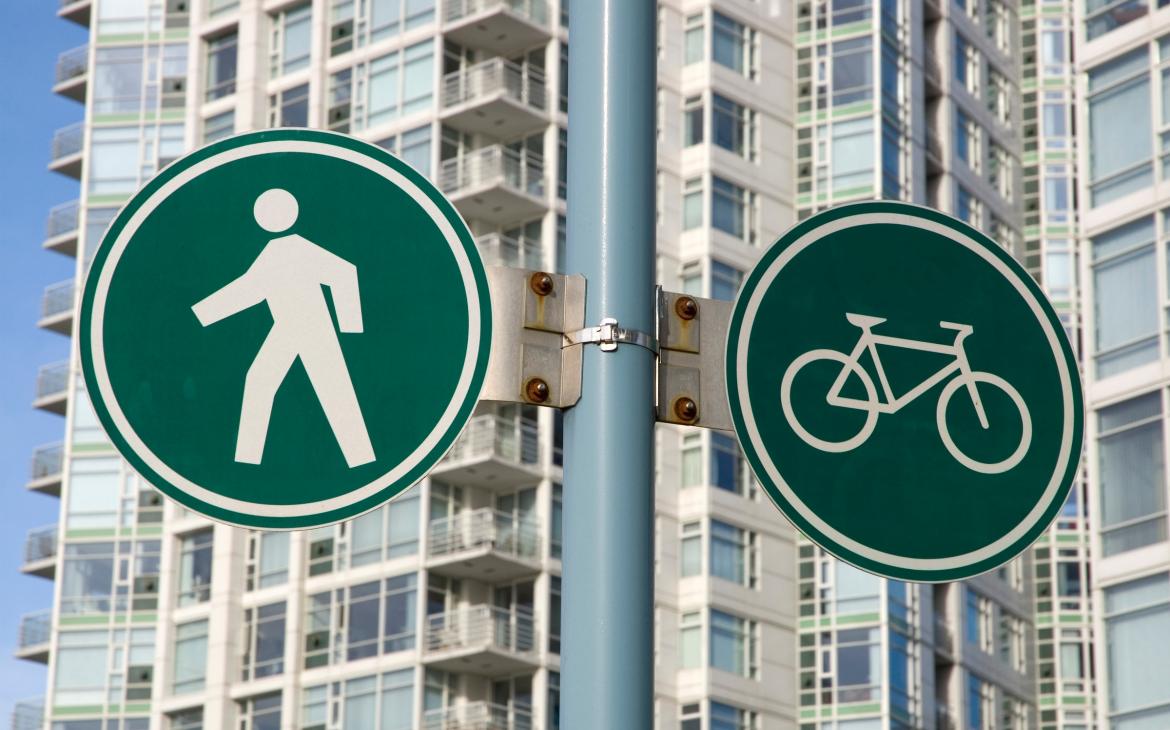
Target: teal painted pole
{"type": "Point", "coordinates": [607, 655]}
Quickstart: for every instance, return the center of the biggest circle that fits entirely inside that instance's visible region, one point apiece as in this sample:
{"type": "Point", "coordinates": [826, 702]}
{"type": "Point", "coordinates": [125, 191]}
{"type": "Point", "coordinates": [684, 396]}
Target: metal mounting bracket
{"type": "Point", "coordinates": [692, 386]}
{"type": "Point", "coordinates": [531, 312]}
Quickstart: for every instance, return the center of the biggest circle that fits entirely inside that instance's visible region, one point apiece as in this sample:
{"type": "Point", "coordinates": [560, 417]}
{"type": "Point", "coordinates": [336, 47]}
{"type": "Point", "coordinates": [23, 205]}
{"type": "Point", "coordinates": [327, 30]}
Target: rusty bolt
{"type": "Point", "coordinates": [536, 390]}
{"type": "Point", "coordinates": [541, 283]}
{"type": "Point", "coordinates": [686, 409]}
{"type": "Point", "coordinates": [686, 308]}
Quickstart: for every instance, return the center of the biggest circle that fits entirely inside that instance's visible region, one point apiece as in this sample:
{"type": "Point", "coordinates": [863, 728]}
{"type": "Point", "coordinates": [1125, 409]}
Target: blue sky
{"type": "Point", "coordinates": [31, 36]}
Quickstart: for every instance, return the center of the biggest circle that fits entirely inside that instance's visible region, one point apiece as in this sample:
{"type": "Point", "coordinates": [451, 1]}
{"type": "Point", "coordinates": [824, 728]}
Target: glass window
{"type": "Point", "coordinates": [852, 154]}
{"type": "Point", "coordinates": [81, 668]}
{"type": "Point", "coordinates": [690, 641]}
{"type": "Point", "coordinates": [221, 66]}
{"type": "Point", "coordinates": [556, 526]}
{"type": "Point", "coordinates": [733, 553]}
{"type": "Point", "coordinates": [195, 567]}
{"type": "Point", "coordinates": [855, 591]}
{"type": "Point", "coordinates": [219, 126]}
{"type": "Point", "coordinates": [733, 126]}
{"type": "Point", "coordinates": [725, 281]}
{"type": "Point", "coordinates": [399, 625]}
{"type": "Point", "coordinates": [95, 491]}
{"type": "Point", "coordinates": [691, 717]}
{"type": "Point", "coordinates": [292, 31]}
{"type": "Point", "coordinates": [191, 719]}
{"type": "Point", "coordinates": [1125, 297]}
{"type": "Point", "coordinates": [852, 70]}
{"type": "Point", "coordinates": [691, 457]}
{"type": "Point", "coordinates": [114, 160]}
{"type": "Point", "coordinates": [264, 641]}
{"type": "Point", "coordinates": [418, 82]}
{"type": "Point", "coordinates": [859, 665]}
{"type": "Point", "coordinates": [87, 578]}
{"type": "Point", "coordinates": [692, 121]}
{"type": "Point", "coordinates": [190, 659]}
{"type": "Point", "coordinates": [732, 45]}
{"type": "Point", "coordinates": [1137, 632]}
{"type": "Point", "coordinates": [415, 149]}
{"type": "Point", "coordinates": [691, 557]}
{"type": "Point", "coordinates": [1132, 474]}
{"type": "Point", "coordinates": [732, 209]}
{"type": "Point", "coordinates": [1102, 16]}
{"type": "Point", "coordinates": [692, 203]}
{"type": "Point", "coordinates": [261, 712]}
{"type": "Point", "coordinates": [726, 717]}
{"type": "Point", "coordinates": [273, 563]}
{"type": "Point", "coordinates": [693, 40]}
{"type": "Point", "coordinates": [554, 614]}
{"type": "Point", "coordinates": [117, 79]}
{"type": "Point", "coordinates": [733, 644]}
{"type": "Point", "coordinates": [290, 108]}
{"type": "Point", "coordinates": [1120, 135]}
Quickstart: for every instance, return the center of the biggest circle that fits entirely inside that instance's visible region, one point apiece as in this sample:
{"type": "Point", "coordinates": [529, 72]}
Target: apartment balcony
{"type": "Point", "coordinates": [52, 387]}
{"type": "Point", "coordinates": [72, 73]}
{"type": "Point", "coordinates": [33, 642]}
{"type": "Point", "coordinates": [57, 307]}
{"type": "Point", "coordinates": [493, 453]}
{"type": "Point", "coordinates": [66, 151]}
{"type": "Point", "coordinates": [500, 250]}
{"type": "Point", "coordinates": [499, 26]}
{"type": "Point", "coordinates": [495, 184]}
{"type": "Point", "coordinates": [47, 466]}
{"type": "Point", "coordinates": [28, 714]}
{"type": "Point", "coordinates": [484, 545]}
{"type": "Point", "coordinates": [944, 641]}
{"type": "Point", "coordinates": [478, 716]}
{"type": "Point", "coordinates": [483, 640]}
{"type": "Point", "coordinates": [40, 552]}
{"type": "Point", "coordinates": [496, 97]}
{"type": "Point", "coordinates": [946, 719]}
{"type": "Point", "coordinates": [62, 228]}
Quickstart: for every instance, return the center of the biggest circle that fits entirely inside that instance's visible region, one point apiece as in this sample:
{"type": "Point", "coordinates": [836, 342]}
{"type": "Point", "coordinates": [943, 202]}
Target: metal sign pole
{"type": "Point", "coordinates": [608, 617]}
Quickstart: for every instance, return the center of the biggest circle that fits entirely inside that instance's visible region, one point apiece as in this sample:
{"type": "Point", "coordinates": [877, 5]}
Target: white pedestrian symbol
{"type": "Point", "coordinates": [288, 275]}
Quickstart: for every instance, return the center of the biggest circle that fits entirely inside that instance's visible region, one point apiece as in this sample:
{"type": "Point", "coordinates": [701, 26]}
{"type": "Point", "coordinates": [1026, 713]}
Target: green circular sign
{"type": "Point", "coordinates": [904, 391]}
{"type": "Point", "coordinates": [285, 329]}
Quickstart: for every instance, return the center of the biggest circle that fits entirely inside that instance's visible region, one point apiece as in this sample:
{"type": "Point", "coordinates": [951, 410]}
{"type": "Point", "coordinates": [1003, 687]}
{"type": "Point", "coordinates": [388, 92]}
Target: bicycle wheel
{"type": "Point", "coordinates": [871, 413]}
{"type": "Point", "coordinates": [983, 467]}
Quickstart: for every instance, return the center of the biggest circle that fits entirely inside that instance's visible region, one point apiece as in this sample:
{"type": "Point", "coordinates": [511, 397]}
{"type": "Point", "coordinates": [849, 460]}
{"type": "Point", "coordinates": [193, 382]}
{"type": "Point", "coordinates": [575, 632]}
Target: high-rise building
{"type": "Point", "coordinates": [1121, 55]}
{"type": "Point", "coordinates": [441, 609]}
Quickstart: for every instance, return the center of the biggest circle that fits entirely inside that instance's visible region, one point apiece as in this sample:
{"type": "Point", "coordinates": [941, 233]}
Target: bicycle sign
{"type": "Point", "coordinates": [895, 311]}
{"type": "Point", "coordinates": [872, 405]}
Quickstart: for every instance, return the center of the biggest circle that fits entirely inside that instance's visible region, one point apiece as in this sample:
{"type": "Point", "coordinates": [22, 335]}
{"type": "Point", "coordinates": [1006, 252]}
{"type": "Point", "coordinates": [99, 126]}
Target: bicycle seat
{"type": "Point", "coordinates": [863, 321]}
{"type": "Point", "coordinates": [956, 326]}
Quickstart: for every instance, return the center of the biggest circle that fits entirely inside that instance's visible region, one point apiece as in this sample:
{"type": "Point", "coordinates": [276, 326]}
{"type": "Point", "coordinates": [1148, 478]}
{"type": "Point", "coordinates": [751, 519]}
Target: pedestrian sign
{"type": "Point", "coordinates": [904, 392]}
{"type": "Point", "coordinates": [285, 329]}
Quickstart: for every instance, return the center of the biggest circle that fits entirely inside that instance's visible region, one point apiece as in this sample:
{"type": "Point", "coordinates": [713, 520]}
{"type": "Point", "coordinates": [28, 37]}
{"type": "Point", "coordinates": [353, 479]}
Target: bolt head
{"type": "Point", "coordinates": [536, 390]}
{"type": "Point", "coordinates": [541, 283]}
{"type": "Point", "coordinates": [686, 308]}
{"type": "Point", "coordinates": [686, 409]}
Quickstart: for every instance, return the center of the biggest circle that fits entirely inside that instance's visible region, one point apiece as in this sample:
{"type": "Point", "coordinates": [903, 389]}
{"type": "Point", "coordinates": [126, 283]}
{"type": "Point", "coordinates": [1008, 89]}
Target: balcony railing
{"type": "Point", "coordinates": [40, 544]}
{"type": "Point", "coordinates": [524, 85]}
{"type": "Point", "coordinates": [47, 461]}
{"type": "Point", "coordinates": [35, 629]}
{"type": "Point", "coordinates": [482, 528]}
{"type": "Point", "coordinates": [63, 219]}
{"type": "Point", "coordinates": [500, 250]}
{"type": "Point", "coordinates": [53, 379]}
{"type": "Point", "coordinates": [28, 715]}
{"type": "Point", "coordinates": [67, 141]}
{"type": "Point", "coordinates": [946, 720]}
{"type": "Point", "coordinates": [494, 165]}
{"type": "Point", "coordinates": [478, 716]}
{"type": "Point", "coordinates": [535, 11]}
{"type": "Point", "coordinates": [481, 627]}
{"type": "Point", "coordinates": [944, 636]}
{"type": "Point", "coordinates": [504, 438]}
{"type": "Point", "coordinates": [57, 299]}
{"type": "Point", "coordinates": [72, 63]}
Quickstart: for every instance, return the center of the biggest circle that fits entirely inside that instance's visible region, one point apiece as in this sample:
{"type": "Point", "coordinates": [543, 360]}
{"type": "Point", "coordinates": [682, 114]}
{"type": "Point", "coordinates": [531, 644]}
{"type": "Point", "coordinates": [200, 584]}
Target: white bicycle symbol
{"type": "Point", "coordinates": [873, 406]}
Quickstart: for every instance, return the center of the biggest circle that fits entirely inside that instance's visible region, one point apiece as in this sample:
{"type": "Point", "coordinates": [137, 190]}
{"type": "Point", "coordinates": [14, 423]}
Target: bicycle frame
{"type": "Point", "coordinates": [892, 404]}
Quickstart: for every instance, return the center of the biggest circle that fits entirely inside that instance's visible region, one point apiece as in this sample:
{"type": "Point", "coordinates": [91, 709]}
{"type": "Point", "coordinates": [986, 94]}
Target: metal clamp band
{"type": "Point", "coordinates": [609, 334]}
